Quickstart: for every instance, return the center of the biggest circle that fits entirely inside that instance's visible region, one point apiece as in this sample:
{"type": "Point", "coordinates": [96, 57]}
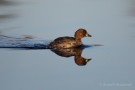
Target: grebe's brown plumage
{"type": "Point", "coordinates": [70, 42]}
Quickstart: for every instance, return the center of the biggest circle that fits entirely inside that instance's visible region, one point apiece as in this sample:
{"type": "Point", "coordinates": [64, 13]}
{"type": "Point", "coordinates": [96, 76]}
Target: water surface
{"type": "Point", "coordinates": [111, 23]}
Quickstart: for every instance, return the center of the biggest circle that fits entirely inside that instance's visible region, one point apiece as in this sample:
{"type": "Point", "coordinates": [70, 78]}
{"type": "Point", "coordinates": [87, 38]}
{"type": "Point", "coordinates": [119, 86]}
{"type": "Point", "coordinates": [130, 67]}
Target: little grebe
{"type": "Point", "coordinates": [70, 42]}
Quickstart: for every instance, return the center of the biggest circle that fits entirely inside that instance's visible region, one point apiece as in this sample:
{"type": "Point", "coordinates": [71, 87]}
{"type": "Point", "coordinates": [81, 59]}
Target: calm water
{"type": "Point", "coordinates": [110, 22]}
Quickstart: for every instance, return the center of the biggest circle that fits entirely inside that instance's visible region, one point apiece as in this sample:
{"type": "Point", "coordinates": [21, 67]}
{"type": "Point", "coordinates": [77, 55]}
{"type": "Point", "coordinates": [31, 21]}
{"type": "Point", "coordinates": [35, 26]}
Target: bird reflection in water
{"type": "Point", "coordinates": [76, 52]}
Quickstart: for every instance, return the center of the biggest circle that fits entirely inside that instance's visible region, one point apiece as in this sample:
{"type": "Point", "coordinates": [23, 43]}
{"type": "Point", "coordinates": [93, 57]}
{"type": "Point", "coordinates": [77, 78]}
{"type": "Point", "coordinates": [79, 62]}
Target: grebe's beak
{"type": "Point", "coordinates": [87, 60]}
{"type": "Point", "coordinates": [88, 35]}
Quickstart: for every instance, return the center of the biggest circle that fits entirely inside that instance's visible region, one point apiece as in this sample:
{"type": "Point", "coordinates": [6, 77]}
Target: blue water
{"type": "Point", "coordinates": [111, 24]}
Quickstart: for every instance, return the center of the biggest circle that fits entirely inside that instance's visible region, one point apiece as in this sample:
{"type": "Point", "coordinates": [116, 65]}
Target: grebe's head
{"type": "Point", "coordinates": [80, 33]}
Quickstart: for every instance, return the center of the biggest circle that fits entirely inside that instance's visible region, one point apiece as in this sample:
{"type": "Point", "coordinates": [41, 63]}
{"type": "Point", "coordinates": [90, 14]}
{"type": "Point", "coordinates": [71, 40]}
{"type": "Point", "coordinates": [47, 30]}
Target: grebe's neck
{"type": "Point", "coordinates": [79, 41]}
